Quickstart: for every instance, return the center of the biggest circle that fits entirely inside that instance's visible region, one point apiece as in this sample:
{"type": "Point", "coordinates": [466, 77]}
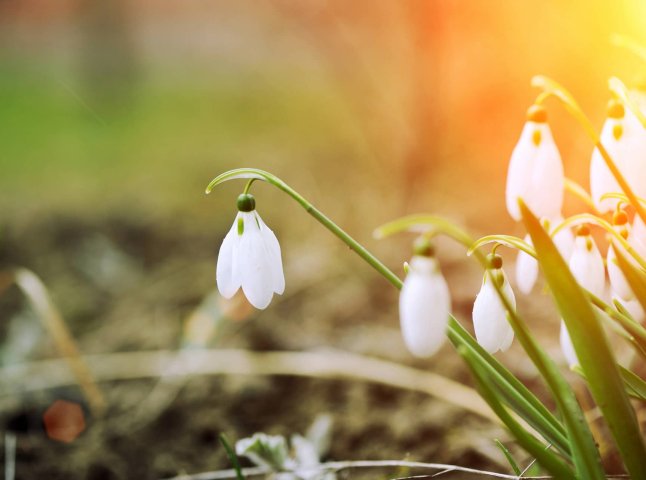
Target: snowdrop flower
{"type": "Point", "coordinates": [625, 140]}
{"type": "Point", "coordinates": [527, 266]}
{"type": "Point", "coordinates": [586, 264]}
{"type": "Point", "coordinates": [617, 279]}
{"type": "Point", "coordinates": [535, 169]}
{"type": "Point", "coordinates": [526, 270]}
{"type": "Point", "coordinates": [424, 303]}
{"type": "Point", "coordinates": [250, 258]}
{"type": "Point", "coordinates": [493, 331]}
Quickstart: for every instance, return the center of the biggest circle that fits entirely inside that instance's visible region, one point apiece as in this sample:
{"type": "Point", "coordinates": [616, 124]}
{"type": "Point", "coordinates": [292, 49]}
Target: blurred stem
{"type": "Point", "coordinates": [38, 296]}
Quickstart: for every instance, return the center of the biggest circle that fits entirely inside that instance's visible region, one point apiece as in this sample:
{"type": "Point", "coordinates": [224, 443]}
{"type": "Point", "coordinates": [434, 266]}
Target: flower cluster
{"type": "Point", "coordinates": [250, 256]}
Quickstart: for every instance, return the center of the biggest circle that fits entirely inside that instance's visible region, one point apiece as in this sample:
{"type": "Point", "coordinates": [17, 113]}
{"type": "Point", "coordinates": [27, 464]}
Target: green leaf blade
{"type": "Point", "coordinates": [592, 350]}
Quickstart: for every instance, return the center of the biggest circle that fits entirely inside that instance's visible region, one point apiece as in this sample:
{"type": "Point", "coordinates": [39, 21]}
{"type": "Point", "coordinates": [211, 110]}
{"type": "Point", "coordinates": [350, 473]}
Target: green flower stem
{"type": "Point", "coordinates": [517, 394]}
{"type": "Point", "coordinates": [555, 465]}
{"type": "Point", "coordinates": [551, 87]}
{"type": "Point", "coordinates": [256, 174]}
{"type": "Point", "coordinates": [506, 240]}
{"type": "Point", "coordinates": [580, 192]}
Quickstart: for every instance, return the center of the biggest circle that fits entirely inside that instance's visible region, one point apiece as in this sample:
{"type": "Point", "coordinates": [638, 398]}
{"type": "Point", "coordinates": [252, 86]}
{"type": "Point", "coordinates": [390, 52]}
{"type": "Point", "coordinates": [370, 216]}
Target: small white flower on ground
{"type": "Point", "coordinates": [586, 263]}
{"type": "Point", "coordinates": [535, 169]}
{"type": "Point", "coordinates": [625, 140]}
{"type": "Point", "coordinates": [493, 331]}
{"type": "Point", "coordinates": [567, 347]}
{"type": "Point", "coordinates": [424, 304]}
{"type": "Point", "coordinates": [250, 258]}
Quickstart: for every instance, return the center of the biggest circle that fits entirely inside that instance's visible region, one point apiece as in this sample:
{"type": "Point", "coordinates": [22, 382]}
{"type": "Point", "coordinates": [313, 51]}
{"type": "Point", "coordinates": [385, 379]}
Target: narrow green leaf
{"type": "Point", "coordinates": [233, 458]}
{"type": "Point", "coordinates": [518, 397]}
{"type": "Point", "coordinates": [594, 353]}
{"type": "Point", "coordinates": [635, 385]}
{"type": "Point", "coordinates": [546, 458]}
{"type": "Point", "coordinates": [505, 451]}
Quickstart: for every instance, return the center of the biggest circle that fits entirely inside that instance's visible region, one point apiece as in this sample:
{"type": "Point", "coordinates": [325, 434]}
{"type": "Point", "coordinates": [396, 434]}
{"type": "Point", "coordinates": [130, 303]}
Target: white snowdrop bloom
{"type": "Point", "coordinates": [618, 282]}
{"type": "Point", "coordinates": [586, 263]}
{"type": "Point", "coordinates": [526, 269]}
{"type": "Point", "coordinates": [564, 239]}
{"type": "Point", "coordinates": [250, 258]}
{"type": "Point", "coordinates": [527, 266]}
{"type": "Point", "coordinates": [566, 346]}
{"type": "Point", "coordinates": [625, 140]}
{"type": "Point", "coordinates": [492, 329]}
{"type": "Point", "coordinates": [424, 305]}
{"type": "Point", "coordinates": [637, 237]}
{"type": "Point", "coordinates": [634, 308]}
{"type": "Point", "coordinates": [535, 170]}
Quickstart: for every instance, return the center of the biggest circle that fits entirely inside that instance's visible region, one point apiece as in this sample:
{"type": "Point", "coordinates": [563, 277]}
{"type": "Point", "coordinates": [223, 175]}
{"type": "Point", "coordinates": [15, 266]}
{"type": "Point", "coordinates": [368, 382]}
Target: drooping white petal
{"type": "Point", "coordinates": [254, 265]}
{"type": "Point", "coordinates": [548, 179]}
{"type": "Point", "coordinates": [564, 239]}
{"type": "Point", "coordinates": [587, 267]}
{"type": "Point", "coordinates": [492, 329]}
{"type": "Point", "coordinates": [566, 346]}
{"type": "Point", "coordinates": [637, 237]}
{"type": "Point", "coordinates": [617, 279]}
{"type": "Point", "coordinates": [520, 165]}
{"type": "Point", "coordinates": [625, 140]}
{"type": "Point", "coordinates": [634, 308]}
{"type": "Point", "coordinates": [526, 270]}
{"type": "Point", "coordinates": [601, 179]}
{"type": "Point", "coordinates": [424, 306]}
{"type": "Point", "coordinates": [275, 259]}
{"type": "Point", "coordinates": [635, 137]}
{"type": "Point", "coordinates": [227, 277]}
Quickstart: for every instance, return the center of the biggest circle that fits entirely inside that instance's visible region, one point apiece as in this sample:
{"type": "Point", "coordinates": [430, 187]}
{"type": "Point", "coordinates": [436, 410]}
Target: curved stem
{"type": "Point", "coordinates": [589, 218]}
{"type": "Point", "coordinates": [506, 240]}
{"type": "Point", "coordinates": [580, 192]}
{"type": "Point", "coordinates": [256, 174]}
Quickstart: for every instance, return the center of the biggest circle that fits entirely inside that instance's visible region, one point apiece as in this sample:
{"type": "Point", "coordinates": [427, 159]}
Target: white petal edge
{"type": "Point", "coordinates": [587, 266]}
{"type": "Point", "coordinates": [275, 257]}
{"type": "Point", "coordinates": [226, 274]}
{"type": "Point", "coordinates": [566, 346]}
{"type": "Point", "coordinates": [424, 306]}
{"type": "Point", "coordinates": [526, 270]}
{"type": "Point", "coordinates": [253, 263]}
{"type": "Point", "coordinates": [617, 279]}
{"type": "Point", "coordinates": [490, 317]}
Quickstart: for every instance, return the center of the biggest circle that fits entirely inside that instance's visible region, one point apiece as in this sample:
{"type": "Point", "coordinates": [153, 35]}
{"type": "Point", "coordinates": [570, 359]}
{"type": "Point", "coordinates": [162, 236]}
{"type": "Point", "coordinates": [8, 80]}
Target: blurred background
{"type": "Point", "coordinates": [115, 115]}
